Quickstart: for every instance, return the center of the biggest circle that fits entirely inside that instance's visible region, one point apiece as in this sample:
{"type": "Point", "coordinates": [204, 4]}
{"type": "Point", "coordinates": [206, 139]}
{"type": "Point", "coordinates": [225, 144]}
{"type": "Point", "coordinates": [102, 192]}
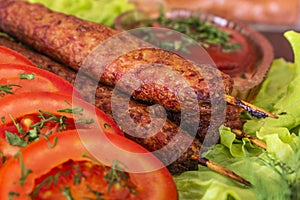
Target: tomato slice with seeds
{"type": "Point", "coordinates": [19, 78]}
{"type": "Point", "coordinates": [28, 116]}
{"type": "Point", "coordinates": [68, 171]}
{"type": "Point", "coordinates": [39, 106]}
{"type": "Point", "coordinates": [10, 56]}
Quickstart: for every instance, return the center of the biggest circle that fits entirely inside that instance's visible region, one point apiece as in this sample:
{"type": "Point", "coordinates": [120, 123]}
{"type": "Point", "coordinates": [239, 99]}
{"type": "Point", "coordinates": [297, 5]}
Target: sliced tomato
{"type": "Point", "coordinates": [28, 107]}
{"type": "Point", "coordinates": [6, 151]}
{"type": "Point", "coordinates": [10, 56]}
{"type": "Point", "coordinates": [19, 78]}
{"type": "Point", "coordinates": [28, 116]}
{"type": "Point", "coordinates": [68, 171]}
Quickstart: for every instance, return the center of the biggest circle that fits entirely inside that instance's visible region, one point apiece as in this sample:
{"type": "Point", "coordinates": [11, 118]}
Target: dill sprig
{"type": "Point", "coordinates": [7, 89]}
{"type": "Point", "coordinates": [289, 172]}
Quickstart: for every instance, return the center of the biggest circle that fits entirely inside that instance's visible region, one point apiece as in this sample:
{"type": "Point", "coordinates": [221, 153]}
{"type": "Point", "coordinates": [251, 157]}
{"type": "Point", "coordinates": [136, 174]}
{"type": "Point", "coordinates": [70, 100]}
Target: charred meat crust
{"type": "Point", "coordinates": [70, 40]}
{"type": "Point", "coordinates": [139, 112]}
{"type": "Point", "coordinates": [64, 37]}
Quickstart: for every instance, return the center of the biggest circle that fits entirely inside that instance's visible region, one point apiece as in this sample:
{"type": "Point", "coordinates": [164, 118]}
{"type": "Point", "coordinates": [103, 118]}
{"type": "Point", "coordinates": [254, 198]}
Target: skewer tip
{"type": "Point", "coordinates": [223, 171]}
{"type": "Point", "coordinates": [254, 140]}
{"type": "Point", "coordinates": [250, 108]}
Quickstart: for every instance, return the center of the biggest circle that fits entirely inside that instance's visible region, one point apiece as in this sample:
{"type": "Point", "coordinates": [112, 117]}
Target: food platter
{"type": "Point", "coordinates": [116, 118]}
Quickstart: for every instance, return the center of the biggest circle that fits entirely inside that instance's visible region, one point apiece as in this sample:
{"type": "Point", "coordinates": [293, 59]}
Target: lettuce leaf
{"type": "Point", "coordinates": [274, 173]}
{"type": "Point", "coordinates": [100, 11]}
{"type": "Point", "coordinates": [208, 185]}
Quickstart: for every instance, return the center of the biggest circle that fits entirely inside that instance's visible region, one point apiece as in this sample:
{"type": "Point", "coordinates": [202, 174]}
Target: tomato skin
{"type": "Point", "coordinates": [19, 105]}
{"type": "Point", "coordinates": [40, 159]}
{"type": "Point", "coordinates": [43, 81]}
{"type": "Point", "coordinates": [10, 56]}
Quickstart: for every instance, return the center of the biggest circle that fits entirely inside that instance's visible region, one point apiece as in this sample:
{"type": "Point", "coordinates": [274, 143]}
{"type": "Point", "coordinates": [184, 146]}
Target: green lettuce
{"type": "Point", "coordinates": [100, 11]}
{"type": "Point", "coordinates": [208, 185]}
{"type": "Point", "coordinates": [275, 172]}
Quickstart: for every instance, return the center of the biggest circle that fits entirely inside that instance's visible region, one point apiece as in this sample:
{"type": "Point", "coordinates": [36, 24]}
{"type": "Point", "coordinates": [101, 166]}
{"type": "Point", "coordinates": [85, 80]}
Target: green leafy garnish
{"type": "Point", "coordinates": [3, 158]}
{"type": "Point", "coordinates": [51, 146]}
{"type": "Point", "coordinates": [90, 9]}
{"type": "Point", "coordinates": [85, 120]}
{"type": "Point", "coordinates": [47, 116]}
{"type": "Point", "coordinates": [12, 194]}
{"type": "Point", "coordinates": [115, 174]}
{"type": "Point", "coordinates": [27, 76]}
{"type": "Point", "coordinates": [99, 195]}
{"type": "Point", "coordinates": [106, 125]}
{"type": "Point", "coordinates": [78, 175]}
{"type": "Point", "coordinates": [204, 32]}
{"type": "Point", "coordinates": [48, 181]}
{"type": "Point", "coordinates": [24, 171]}
{"type": "Point", "coordinates": [67, 193]}
{"type": "Point", "coordinates": [274, 173]}
{"type": "Point", "coordinates": [77, 111]}
{"type": "Point", "coordinates": [7, 89]}
{"type": "Point", "coordinates": [15, 140]}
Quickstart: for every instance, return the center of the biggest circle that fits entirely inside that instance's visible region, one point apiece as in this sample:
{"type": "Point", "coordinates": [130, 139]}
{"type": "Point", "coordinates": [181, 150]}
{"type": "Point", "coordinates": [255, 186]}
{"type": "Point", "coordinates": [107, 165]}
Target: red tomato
{"type": "Point", "coordinates": [32, 115]}
{"type": "Point", "coordinates": [67, 171]}
{"type": "Point", "coordinates": [10, 56]}
{"type": "Point", "coordinates": [25, 78]}
{"type": "Point", "coordinates": [30, 107]}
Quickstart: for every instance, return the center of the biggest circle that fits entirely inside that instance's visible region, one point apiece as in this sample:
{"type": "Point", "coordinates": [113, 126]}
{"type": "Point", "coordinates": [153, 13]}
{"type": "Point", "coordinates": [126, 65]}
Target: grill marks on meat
{"type": "Point", "coordinates": [70, 40]}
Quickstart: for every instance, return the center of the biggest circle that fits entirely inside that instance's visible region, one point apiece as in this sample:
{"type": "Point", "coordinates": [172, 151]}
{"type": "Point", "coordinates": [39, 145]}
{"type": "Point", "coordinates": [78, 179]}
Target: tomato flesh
{"type": "Point", "coordinates": [66, 164]}
{"type": "Point", "coordinates": [30, 118]}
{"type": "Point", "coordinates": [29, 122]}
{"type": "Point", "coordinates": [39, 80]}
{"type": "Point", "coordinates": [19, 105]}
{"type": "Point", "coordinates": [82, 179]}
{"type": "Point", "coordinates": [10, 56]}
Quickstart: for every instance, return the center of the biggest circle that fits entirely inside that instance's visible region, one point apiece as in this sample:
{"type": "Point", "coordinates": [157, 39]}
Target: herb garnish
{"type": "Point", "coordinates": [15, 140]}
{"type": "Point", "coordinates": [204, 32]}
{"type": "Point", "coordinates": [289, 172]}
{"type": "Point", "coordinates": [24, 171]}
{"type": "Point", "coordinates": [114, 175]}
{"type": "Point", "coordinates": [77, 111]}
{"type": "Point", "coordinates": [46, 136]}
{"type": "Point", "coordinates": [27, 76]}
{"type": "Point", "coordinates": [48, 181]}
{"type": "Point", "coordinates": [33, 134]}
{"type": "Point", "coordinates": [7, 89]}
{"type": "Point", "coordinates": [12, 194]}
{"type": "Point", "coordinates": [78, 175]}
{"type": "Point", "coordinates": [107, 125]}
{"type": "Point", "coordinates": [85, 120]}
{"type": "Point", "coordinates": [96, 193]}
{"type": "Point", "coordinates": [3, 158]}
{"type": "Point", "coordinates": [47, 116]}
{"type": "Point", "coordinates": [67, 193]}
